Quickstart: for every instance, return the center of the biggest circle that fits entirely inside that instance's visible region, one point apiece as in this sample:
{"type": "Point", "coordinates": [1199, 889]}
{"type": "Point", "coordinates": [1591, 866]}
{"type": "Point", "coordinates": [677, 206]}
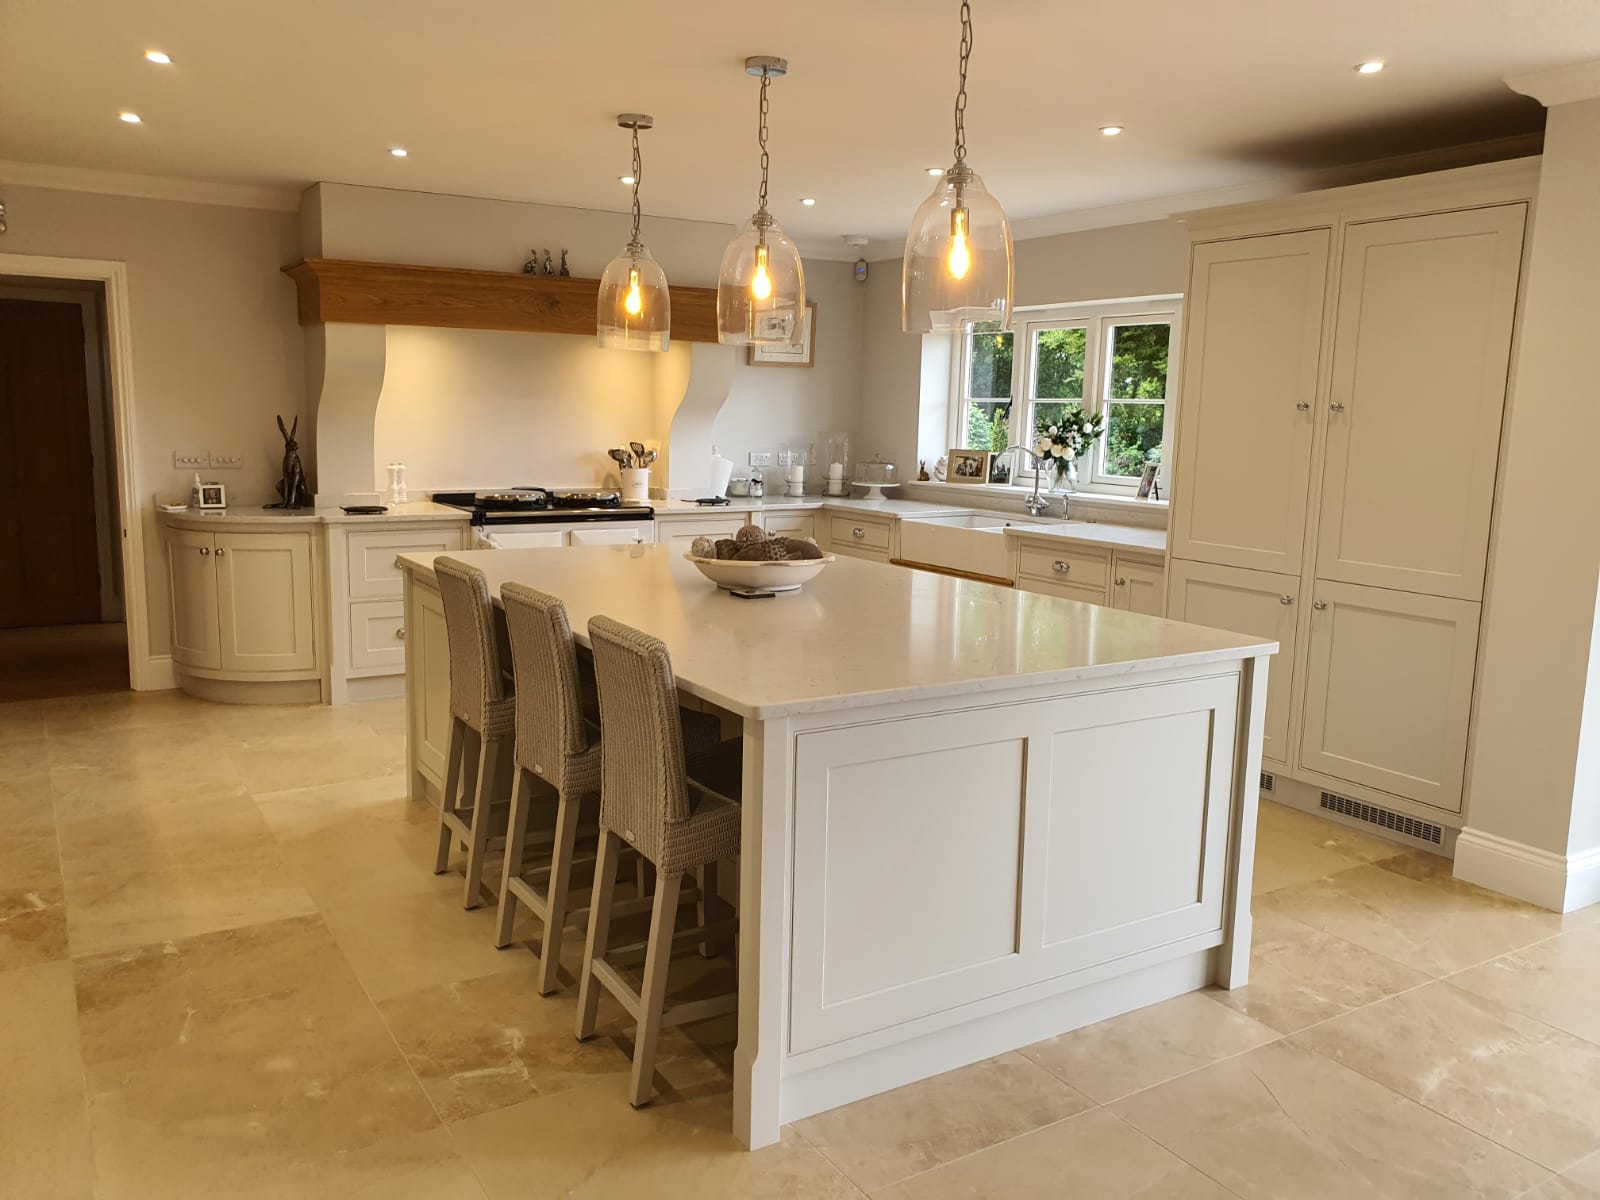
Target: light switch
{"type": "Point", "coordinates": [761, 458]}
{"type": "Point", "coordinates": [189, 462]}
{"type": "Point", "coordinates": [227, 461]}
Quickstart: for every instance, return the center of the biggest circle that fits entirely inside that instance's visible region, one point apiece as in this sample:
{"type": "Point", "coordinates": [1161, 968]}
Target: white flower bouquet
{"type": "Point", "coordinates": [1069, 441]}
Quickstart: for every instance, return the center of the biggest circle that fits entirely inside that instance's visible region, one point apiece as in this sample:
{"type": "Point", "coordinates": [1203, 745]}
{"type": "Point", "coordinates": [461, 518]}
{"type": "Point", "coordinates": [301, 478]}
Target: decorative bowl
{"type": "Point", "coordinates": [774, 576]}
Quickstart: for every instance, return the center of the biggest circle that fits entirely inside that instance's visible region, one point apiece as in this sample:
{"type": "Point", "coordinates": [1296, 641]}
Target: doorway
{"type": "Point", "coordinates": [62, 628]}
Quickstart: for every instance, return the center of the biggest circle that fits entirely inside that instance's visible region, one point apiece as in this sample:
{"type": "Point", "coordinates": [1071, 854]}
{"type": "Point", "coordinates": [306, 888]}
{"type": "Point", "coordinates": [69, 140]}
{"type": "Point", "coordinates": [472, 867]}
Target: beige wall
{"type": "Point", "coordinates": [216, 351]}
{"type": "Point", "coordinates": [1536, 765]}
{"type": "Point", "coordinates": [1147, 259]}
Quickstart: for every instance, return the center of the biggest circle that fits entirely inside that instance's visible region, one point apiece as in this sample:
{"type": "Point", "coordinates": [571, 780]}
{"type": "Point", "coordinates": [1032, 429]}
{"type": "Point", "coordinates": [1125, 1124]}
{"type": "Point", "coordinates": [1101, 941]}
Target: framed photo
{"type": "Point", "coordinates": [967, 466]}
{"type": "Point", "coordinates": [798, 354]}
{"type": "Point", "coordinates": [1147, 479]}
{"type": "Point", "coordinates": [999, 469]}
{"type": "Point", "coordinates": [213, 495]}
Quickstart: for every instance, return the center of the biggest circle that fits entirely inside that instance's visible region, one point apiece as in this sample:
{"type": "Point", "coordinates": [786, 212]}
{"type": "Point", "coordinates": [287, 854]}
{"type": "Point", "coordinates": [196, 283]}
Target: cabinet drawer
{"type": "Point", "coordinates": [853, 533]}
{"type": "Point", "coordinates": [1064, 563]}
{"type": "Point", "coordinates": [377, 634]}
{"type": "Point", "coordinates": [1067, 591]}
{"type": "Point", "coordinates": [371, 553]}
{"type": "Point", "coordinates": [682, 531]}
{"type": "Point", "coordinates": [796, 525]}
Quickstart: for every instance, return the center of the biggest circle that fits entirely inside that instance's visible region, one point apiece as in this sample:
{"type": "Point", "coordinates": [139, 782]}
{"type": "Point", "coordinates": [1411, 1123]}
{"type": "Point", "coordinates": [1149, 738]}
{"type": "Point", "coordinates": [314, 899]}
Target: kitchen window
{"type": "Point", "coordinates": [1061, 363]}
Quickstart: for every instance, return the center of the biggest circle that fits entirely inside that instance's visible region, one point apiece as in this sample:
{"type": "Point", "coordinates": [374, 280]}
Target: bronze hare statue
{"type": "Point", "coordinates": [292, 490]}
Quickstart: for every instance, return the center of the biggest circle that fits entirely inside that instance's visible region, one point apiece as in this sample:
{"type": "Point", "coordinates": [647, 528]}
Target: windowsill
{"type": "Point", "coordinates": [1007, 491]}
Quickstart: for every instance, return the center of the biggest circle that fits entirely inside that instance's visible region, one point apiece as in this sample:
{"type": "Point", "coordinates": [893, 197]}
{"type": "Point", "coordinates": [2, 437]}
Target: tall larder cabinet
{"type": "Point", "coordinates": [1339, 430]}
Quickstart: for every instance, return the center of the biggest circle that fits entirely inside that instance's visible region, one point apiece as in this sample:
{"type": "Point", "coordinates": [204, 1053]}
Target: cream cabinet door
{"type": "Point", "coordinates": [428, 682]}
{"type": "Point", "coordinates": [627, 533]}
{"type": "Point", "coordinates": [1255, 603]}
{"type": "Point", "coordinates": [264, 601]}
{"type": "Point", "coordinates": [1246, 413]}
{"type": "Point", "coordinates": [1138, 587]}
{"type": "Point", "coordinates": [192, 583]}
{"type": "Point", "coordinates": [1388, 691]}
{"type": "Point", "coordinates": [1420, 355]}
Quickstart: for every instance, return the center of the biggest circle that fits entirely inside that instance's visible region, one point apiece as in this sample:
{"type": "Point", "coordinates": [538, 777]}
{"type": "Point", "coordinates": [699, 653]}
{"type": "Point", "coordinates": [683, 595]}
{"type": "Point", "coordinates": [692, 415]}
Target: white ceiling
{"type": "Point", "coordinates": [518, 100]}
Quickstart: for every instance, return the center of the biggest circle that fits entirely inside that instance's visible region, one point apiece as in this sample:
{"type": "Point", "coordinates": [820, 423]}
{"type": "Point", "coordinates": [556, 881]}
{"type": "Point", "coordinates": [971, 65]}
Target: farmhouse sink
{"type": "Point", "coordinates": [971, 542]}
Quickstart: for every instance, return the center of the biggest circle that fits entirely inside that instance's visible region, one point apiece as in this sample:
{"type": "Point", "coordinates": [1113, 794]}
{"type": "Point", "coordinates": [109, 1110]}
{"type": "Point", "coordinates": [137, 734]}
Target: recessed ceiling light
{"type": "Point", "coordinates": [158, 56]}
{"type": "Point", "coordinates": [935, 170]}
{"type": "Point", "coordinates": [128, 118]}
{"type": "Point", "coordinates": [397, 151]}
{"type": "Point", "coordinates": [1371, 67]}
{"type": "Point", "coordinates": [627, 180]}
{"type": "Point", "coordinates": [808, 201]}
{"type": "Point", "coordinates": [1111, 130]}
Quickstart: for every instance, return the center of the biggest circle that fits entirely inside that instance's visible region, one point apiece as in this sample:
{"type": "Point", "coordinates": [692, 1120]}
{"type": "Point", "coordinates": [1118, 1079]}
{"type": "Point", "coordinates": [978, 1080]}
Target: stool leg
{"type": "Point", "coordinates": [555, 906]}
{"type": "Point", "coordinates": [454, 754]}
{"type": "Point", "coordinates": [516, 837]}
{"type": "Point", "coordinates": [653, 993]}
{"type": "Point", "coordinates": [709, 907]}
{"type": "Point", "coordinates": [594, 946]}
{"type": "Point", "coordinates": [487, 771]}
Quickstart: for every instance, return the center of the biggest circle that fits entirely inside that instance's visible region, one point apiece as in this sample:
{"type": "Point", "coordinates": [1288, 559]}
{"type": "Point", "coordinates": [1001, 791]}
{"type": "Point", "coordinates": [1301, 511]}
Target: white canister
{"type": "Point", "coordinates": [721, 473]}
{"type": "Point", "coordinates": [635, 484]}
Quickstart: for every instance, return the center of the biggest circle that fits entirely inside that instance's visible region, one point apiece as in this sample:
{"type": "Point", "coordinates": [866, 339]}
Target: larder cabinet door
{"type": "Point", "coordinates": [1246, 413]}
{"type": "Point", "coordinates": [1389, 691]}
{"type": "Point", "coordinates": [1420, 356]}
{"type": "Point", "coordinates": [264, 596]}
{"type": "Point", "coordinates": [1138, 587]}
{"type": "Point", "coordinates": [192, 582]}
{"type": "Point", "coordinates": [1249, 602]}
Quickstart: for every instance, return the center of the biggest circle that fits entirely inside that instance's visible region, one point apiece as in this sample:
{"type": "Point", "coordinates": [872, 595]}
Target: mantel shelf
{"type": "Point", "coordinates": [335, 290]}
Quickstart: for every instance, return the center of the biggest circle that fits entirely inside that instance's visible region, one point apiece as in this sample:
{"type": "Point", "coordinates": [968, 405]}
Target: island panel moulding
{"type": "Point", "coordinates": [340, 291]}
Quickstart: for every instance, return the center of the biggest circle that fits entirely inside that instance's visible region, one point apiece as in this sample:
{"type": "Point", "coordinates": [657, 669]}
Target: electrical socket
{"type": "Point", "coordinates": [788, 458]}
{"type": "Point", "coordinates": [761, 458]}
{"type": "Point", "coordinates": [228, 462]}
{"type": "Point", "coordinates": [189, 462]}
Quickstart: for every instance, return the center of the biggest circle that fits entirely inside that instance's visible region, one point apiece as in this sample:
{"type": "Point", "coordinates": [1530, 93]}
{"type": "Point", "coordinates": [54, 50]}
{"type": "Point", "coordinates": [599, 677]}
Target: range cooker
{"type": "Point", "coordinates": [527, 517]}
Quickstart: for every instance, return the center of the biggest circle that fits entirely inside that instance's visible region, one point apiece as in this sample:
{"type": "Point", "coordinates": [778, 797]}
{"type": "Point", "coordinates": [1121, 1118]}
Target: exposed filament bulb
{"type": "Point", "coordinates": [633, 301]}
{"type": "Point", "coordinates": [761, 285]}
{"type": "Point", "coordinates": [960, 261]}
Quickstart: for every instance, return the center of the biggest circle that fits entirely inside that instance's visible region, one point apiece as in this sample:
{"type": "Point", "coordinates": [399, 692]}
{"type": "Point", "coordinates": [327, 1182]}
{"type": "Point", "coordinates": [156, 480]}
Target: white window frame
{"type": "Point", "coordinates": [1097, 318]}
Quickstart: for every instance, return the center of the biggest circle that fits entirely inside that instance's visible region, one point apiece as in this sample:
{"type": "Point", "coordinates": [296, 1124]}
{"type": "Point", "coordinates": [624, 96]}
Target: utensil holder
{"type": "Point", "coordinates": [635, 483]}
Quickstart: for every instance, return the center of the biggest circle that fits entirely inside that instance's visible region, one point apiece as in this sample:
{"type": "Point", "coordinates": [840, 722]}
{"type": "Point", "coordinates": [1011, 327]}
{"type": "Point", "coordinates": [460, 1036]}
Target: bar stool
{"type": "Point", "coordinates": [558, 741]}
{"type": "Point", "coordinates": [681, 815]}
{"type": "Point", "coordinates": [482, 719]}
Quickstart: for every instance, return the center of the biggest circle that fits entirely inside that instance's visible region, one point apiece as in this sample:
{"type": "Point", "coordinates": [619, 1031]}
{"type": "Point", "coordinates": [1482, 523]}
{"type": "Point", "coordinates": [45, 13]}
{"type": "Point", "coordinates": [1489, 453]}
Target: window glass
{"type": "Point", "coordinates": [986, 392]}
{"type": "Point", "coordinates": [1136, 391]}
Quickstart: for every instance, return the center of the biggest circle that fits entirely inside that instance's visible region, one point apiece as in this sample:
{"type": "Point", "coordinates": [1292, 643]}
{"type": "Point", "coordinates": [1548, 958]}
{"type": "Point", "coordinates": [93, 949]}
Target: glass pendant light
{"type": "Point", "coordinates": [761, 289]}
{"type": "Point", "coordinates": [635, 311]}
{"type": "Point", "coordinates": [957, 266]}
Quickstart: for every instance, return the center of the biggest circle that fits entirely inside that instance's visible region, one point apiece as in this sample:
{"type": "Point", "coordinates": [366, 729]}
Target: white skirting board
{"type": "Point", "coordinates": [160, 674]}
{"type": "Point", "coordinates": [1560, 882]}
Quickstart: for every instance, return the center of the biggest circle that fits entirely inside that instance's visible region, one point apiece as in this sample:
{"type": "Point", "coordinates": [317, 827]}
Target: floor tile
{"type": "Point", "coordinates": [21, 722]}
{"type": "Point", "coordinates": [112, 711]}
{"type": "Point", "coordinates": [1439, 927]}
{"type": "Point", "coordinates": [1581, 1182]}
{"type": "Point", "coordinates": [44, 1124]}
{"type": "Point", "coordinates": [1557, 981]}
{"type": "Point", "coordinates": [1114, 1058]}
{"type": "Point", "coordinates": [277, 761]}
{"type": "Point", "coordinates": [1300, 976]}
{"type": "Point", "coordinates": [1527, 1086]}
{"type": "Point", "coordinates": [886, 1138]}
{"type": "Point", "coordinates": [1284, 1122]}
{"type": "Point", "coordinates": [1296, 847]}
{"type": "Point", "coordinates": [232, 1055]}
{"type": "Point", "coordinates": [172, 871]}
{"type": "Point", "coordinates": [93, 775]}
{"type": "Point", "coordinates": [1093, 1155]}
{"type": "Point", "coordinates": [591, 1143]}
{"type": "Point", "coordinates": [33, 914]}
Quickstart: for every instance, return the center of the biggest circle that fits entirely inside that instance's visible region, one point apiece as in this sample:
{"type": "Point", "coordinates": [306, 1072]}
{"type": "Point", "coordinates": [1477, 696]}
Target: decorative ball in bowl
{"type": "Point", "coordinates": [752, 561]}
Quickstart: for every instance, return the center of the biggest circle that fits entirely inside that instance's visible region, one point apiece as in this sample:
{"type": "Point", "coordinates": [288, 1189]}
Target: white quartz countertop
{"type": "Point", "coordinates": [417, 510]}
{"type": "Point", "coordinates": [894, 508]}
{"type": "Point", "coordinates": [860, 633]}
{"type": "Point", "coordinates": [1095, 533]}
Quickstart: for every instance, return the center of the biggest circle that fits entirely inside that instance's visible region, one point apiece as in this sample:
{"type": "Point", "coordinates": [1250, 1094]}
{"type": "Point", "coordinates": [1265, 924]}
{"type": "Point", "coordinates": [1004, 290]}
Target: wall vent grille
{"type": "Point", "coordinates": [1267, 782]}
{"type": "Point", "coordinates": [1411, 827]}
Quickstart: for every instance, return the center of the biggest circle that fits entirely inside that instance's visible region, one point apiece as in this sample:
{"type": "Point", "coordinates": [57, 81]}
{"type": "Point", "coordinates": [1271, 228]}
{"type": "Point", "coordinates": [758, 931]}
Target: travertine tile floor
{"type": "Point", "coordinates": [226, 970]}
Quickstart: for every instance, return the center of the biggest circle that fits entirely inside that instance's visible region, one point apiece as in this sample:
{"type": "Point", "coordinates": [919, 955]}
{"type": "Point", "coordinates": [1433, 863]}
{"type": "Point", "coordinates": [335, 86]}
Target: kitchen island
{"type": "Point", "coordinates": [974, 817]}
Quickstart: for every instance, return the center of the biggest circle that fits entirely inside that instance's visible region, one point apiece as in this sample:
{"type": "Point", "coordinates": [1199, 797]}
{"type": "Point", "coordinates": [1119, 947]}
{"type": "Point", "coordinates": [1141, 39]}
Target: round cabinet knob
{"type": "Point", "coordinates": [1319, 605]}
{"type": "Point", "coordinates": [400, 633]}
{"type": "Point", "coordinates": [1060, 567]}
{"type": "Point", "coordinates": [220, 551]}
{"type": "Point", "coordinates": [1337, 406]}
{"type": "Point", "coordinates": [1122, 583]}
{"type": "Point", "coordinates": [205, 549]}
{"type": "Point", "coordinates": [858, 532]}
{"type": "Point", "coordinates": [1304, 406]}
{"type": "Point", "coordinates": [1286, 599]}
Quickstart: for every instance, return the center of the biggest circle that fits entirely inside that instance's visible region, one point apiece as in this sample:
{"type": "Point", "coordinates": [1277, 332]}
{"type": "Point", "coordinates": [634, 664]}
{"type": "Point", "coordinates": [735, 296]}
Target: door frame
{"type": "Point", "coordinates": [144, 673]}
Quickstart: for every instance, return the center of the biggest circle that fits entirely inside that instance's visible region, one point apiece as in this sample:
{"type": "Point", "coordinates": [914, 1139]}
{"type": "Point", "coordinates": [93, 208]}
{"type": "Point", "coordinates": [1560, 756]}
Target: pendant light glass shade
{"type": "Point", "coordinates": [634, 311]}
{"type": "Point", "coordinates": [957, 266]}
{"type": "Point", "coordinates": [635, 308]}
{"type": "Point", "coordinates": [761, 289]}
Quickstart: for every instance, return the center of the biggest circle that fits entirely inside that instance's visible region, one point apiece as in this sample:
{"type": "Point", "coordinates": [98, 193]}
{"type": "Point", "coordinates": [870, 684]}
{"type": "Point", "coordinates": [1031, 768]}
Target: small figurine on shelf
{"type": "Point", "coordinates": [531, 267]}
{"type": "Point", "coordinates": [549, 268]}
{"type": "Point", "coordinates": [922, 470]}
{"type": "Point", "coordinates": [292, 490]}
{"type": "Point", "coordinates": [565, 273]}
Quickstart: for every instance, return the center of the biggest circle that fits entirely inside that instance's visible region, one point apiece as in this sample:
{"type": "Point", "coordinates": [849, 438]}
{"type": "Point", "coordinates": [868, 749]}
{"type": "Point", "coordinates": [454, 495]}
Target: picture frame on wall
{"type": "Point", "coordinates": [967, 466]}
{"type": "Point", "coordinates": [1147, 480]}
{"type": "Point", "coordinates": [790, 354]}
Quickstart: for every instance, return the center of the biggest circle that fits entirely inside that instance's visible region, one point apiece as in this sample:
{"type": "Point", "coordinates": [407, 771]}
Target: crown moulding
{"type": "Point", "coordinates": [339, 291]}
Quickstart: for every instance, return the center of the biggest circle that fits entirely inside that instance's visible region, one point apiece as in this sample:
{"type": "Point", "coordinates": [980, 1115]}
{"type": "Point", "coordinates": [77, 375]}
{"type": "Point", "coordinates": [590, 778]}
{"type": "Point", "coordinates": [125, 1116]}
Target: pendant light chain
{"type": "Point", "coordinates": [638, 175]}
{"type": "Point", "coordinates": [761, 136]}
{"type": "Point", "coordinates": [961, 90]}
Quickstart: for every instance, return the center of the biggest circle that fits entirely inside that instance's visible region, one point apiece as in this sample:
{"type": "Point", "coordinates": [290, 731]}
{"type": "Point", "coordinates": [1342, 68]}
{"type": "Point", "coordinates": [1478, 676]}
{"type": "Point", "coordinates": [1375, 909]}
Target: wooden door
{"type": "Point", "coordinates": [49, 557]}
{"type": "Point", "coordinates": [192, 582]}
{"type": "Point", "coordinates": [264, 601]}
{"type": "Point", "coordinates": [1256, 603]}
{"type": "Point", "coordinates": [1138, 587]}
{"type": "Point", "coordinates": [1420, 356]}
{"type": "Point", "coordinates": [1246, 413]}
{"type": "Point", "coordinates": [1389, 691]}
